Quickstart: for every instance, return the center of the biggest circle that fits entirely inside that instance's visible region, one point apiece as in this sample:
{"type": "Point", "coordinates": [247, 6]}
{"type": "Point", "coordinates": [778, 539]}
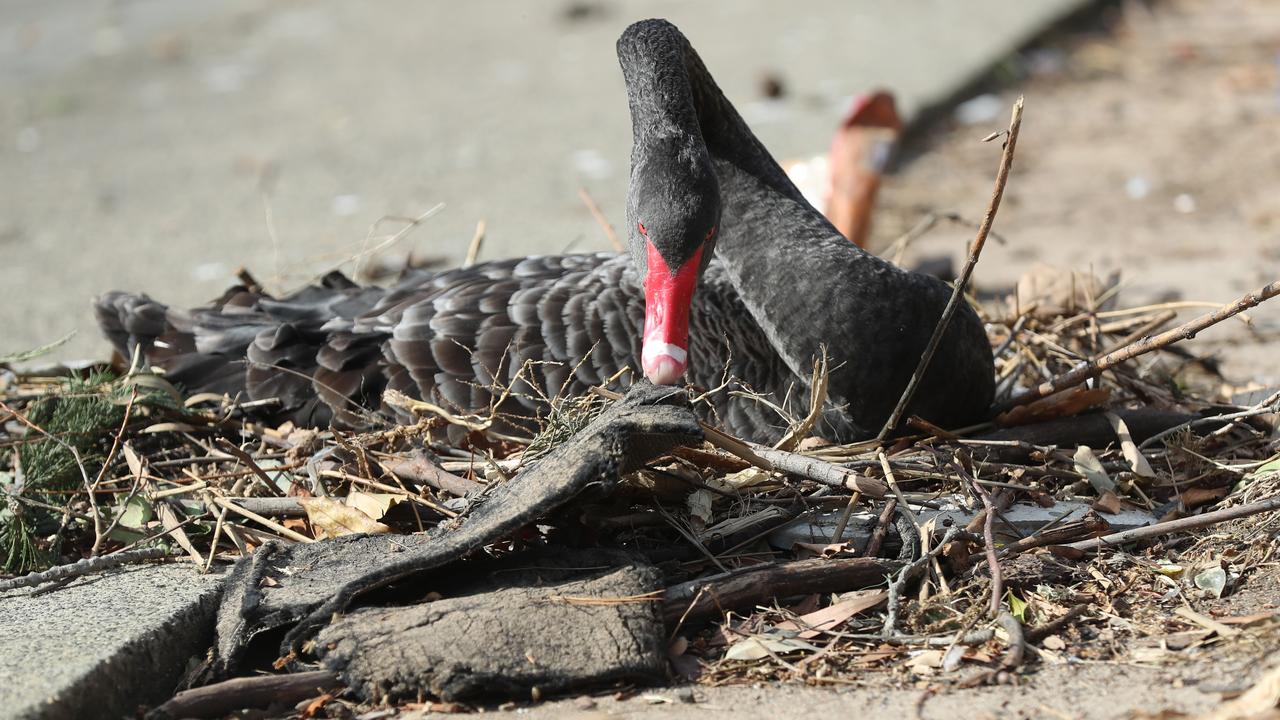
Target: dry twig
{"type": "Point", "coordinates": [957, 293]}
{"type": "Point", "coordinates": [1095, 367]}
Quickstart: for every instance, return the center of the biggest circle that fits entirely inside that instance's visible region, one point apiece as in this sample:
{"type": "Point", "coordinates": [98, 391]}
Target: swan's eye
{"type": "Point", "coordinates": [710, 233]}
{"type": "Point", "coordinates": [642, 230]}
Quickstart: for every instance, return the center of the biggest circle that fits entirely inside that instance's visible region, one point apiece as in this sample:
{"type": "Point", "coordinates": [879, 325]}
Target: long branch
{"type": "Point", "coordinates": [1187, 523]}
{"type": "Point", "coordinates": [957, 293]}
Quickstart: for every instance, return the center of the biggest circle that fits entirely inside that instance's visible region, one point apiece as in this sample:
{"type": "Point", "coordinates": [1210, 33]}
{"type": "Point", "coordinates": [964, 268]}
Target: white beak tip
{"type": "Point", "coordinates": [664, 370]}
{"type": "Point", "coordinates": [664, 363]}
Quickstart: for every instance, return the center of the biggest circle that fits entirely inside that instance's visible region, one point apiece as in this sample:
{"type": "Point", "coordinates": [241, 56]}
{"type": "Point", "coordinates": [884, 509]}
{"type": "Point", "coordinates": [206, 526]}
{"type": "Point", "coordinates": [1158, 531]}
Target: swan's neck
{"type": "Point", "coordinates": [786, 260]}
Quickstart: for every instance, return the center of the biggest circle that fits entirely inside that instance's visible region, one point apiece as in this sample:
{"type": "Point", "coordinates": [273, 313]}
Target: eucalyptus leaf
{"type": "Point", "coordinates": [136, 513]}
{"type": "Point", "coordinates": [1017, 606]}
{"type": "Point", "coordinates": [1088, 465]}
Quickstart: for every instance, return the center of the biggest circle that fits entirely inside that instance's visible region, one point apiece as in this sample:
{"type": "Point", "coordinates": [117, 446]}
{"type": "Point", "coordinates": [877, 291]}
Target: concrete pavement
{"type": "Point", "coordinates": [103, 645]}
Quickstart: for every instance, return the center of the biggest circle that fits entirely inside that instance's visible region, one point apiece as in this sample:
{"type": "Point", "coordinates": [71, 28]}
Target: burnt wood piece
{"type": "Point", "coordinates": [531, 637]}
{"type": "Point", "coordinates": [281, 585]}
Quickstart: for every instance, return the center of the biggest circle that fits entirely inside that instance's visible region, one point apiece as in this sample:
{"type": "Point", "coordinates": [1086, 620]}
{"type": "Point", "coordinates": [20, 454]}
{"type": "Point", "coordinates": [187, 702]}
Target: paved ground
{"type": "Point", "coordinates": [158, 145]}
{"type": "Point", "coordinates": [103, 645]}
{"type": "Point", "coordinates": [1097, 692]}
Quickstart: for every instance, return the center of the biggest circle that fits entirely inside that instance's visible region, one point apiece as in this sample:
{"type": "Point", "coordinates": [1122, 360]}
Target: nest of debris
{"type": "Point", "coordinates": [1124, 484]}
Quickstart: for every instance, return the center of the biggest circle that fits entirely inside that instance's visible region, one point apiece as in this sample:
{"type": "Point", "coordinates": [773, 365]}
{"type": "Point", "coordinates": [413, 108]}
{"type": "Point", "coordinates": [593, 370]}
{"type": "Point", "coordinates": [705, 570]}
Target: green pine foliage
{"type": "Point", "coordinates": [46, 473]}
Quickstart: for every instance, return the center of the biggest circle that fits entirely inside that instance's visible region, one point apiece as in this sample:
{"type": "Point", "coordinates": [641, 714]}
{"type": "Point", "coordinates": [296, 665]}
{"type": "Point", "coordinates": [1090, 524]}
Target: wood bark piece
{"type": "Point", "coordinates": [305, 585]}
{"type": "Point", "coordinates": [419, 468]}
{"type": "Point", "coordinates": [514, 642]}
{"type": "Point", "coordinates": [221, 699]}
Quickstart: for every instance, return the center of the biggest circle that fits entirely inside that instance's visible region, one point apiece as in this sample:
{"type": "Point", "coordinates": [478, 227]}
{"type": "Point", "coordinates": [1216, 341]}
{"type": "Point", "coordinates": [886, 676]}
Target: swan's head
{"type": "Point", "coordinates": [673, 210]}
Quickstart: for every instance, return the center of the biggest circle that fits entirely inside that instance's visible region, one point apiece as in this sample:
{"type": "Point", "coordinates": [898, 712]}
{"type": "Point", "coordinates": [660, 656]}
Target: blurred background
{"type": "Point", "coordinates": [158, 145]}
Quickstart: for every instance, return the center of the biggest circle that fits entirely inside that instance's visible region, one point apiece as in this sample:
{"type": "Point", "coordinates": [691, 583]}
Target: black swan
{"type": "Point", "coordinates": [732, 276]}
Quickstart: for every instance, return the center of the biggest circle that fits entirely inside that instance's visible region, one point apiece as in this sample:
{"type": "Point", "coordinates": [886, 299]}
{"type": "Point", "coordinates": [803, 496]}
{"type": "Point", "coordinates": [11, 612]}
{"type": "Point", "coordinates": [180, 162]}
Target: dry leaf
{"type": "Point", "coordinates": [169, 518]}
{"type": "Point", "coordinates": [169, 427]}
{"type": "Point", "coordinates": [823, 550]}
{"type": "Point", "coordinates": [1197, 496]}
{"type": "Point", "coordinates": [132, 460]}
{"type": "Point", "coordinates": [699, 503]}
{"type": "Point", "coordinates": [833, 616]}
{"type": "Point", "coordinates": [1088, 465]}
{"type": "Point", "coordinates": [1056, 291]}
{"type": "Point", "coordinates": [1067, 403]}
{"type": "Point", "coordinates": [761, 646]}
{"type": "Point", "coordinates": [875, 657]}
{"type": "Point", "coordinates": [1108, 503]}
{"type": "Point", "coordinates": [375, 505]}
{"type": "Point", "coordinates": [1213, 580]}
{"type": "Point", "coordinates": [332, 519]}
{"type": "Point", "coordinates": [743, 479]}
{"type": "Point", "coordinates": [925, 660]}
{"type": "Point", "coordinates": [1136, 460]}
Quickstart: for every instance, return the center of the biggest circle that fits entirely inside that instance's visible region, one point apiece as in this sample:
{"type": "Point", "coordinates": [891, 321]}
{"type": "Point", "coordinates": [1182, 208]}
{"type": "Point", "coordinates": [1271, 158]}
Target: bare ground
{"type": "Point", "coordinates": [1152, 149]}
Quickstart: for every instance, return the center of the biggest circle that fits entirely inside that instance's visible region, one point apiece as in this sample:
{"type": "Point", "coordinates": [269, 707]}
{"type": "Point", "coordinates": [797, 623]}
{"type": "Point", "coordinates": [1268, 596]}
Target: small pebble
{"type": "Point", "coordinates": [982, 109]}
{"type": "Point", "coordinates": [1137, 187]}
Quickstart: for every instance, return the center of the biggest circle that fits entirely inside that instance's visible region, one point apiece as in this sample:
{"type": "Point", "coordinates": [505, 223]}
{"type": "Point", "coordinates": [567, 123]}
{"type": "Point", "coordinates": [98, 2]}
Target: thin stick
{"type": "Point", "coordinates": [267, 522]}
{"type": "Point", "coordinates": [771, 460]}
{"type": "Point", "coordinates": [98, 533]}
{"type": "Point", "coordinates": [752, 585]}
{"type": "Point", "coordinates": [392, 490]}
{"type": "Point", "coordinates": [1144, 330]}
{"type": "Point", "coordinates": [882, 528]}
{"type": "Point", "coordinates": [1012, 659]}
{"type": "Point", "coordinates": [843, 522]}
{"type": "Point", "coordinates": [904, 576]}
{"type": "Point", "coordinates": [261, 691]}
{"type": "Point", "coordinates": [250, 463]}
{"type": "Point", "coordinates": [600, 218]}
{"type": "Point", "coordinates": [1266, 407]}
{"type": "Point", "coordinates": [1188, 523]}
{"type": "Point", "coordinates": [473, 248]}
{"type": "Point", "coordinates": [366, 251]}
{"type": "Point", "coordinates": [80, 568]}
{"type": "Point", "coordinates": [897, 492]}
{"type": "Point", "coordinates": [1040, 632]}
{"type": "Point", "coordinates": [989, 543]}
{"type": "Point", "coordinates": [957, 292]}
{"type": "Point", "coordinates": [1095, 367]}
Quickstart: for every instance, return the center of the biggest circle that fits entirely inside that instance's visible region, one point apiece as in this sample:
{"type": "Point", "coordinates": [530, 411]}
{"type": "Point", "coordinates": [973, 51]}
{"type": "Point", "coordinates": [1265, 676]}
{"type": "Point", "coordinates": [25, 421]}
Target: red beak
{"type": "Point", "coordinates": [667, 298]}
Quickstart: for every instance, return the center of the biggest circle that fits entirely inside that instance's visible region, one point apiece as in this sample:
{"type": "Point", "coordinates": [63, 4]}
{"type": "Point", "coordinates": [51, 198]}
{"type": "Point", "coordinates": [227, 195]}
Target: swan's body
{"type": "Point", "coordinates": [783, 287]}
